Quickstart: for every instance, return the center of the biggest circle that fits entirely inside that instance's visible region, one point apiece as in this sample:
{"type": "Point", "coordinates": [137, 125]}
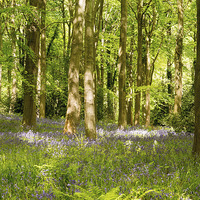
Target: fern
{"type": "Point", "coordinates": [111, 195]}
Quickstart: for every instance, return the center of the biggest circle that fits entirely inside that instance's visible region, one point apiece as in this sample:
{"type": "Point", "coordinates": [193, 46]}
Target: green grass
{"type": "Point", "coordinates": [49, 165]}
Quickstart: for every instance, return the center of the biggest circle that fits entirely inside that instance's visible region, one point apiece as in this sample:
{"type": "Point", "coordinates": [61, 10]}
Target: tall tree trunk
{"type": "Point", "coordinates": [43, 61]}
{"type": "Point", "coordinates": [96, 39]}
{"type": "Point", "coordinates": [89, 90]}
{"type": "Point", "coordinates": [148, 69]}
{"type": "Point", "coordinates": [110, 106]}
{"type": "Point", "coordinates": [169, 66]}
{"type": "Point", "coordinates": [196, 143]}
{"type": "Point", "coordinates": [73, 105]}
{"type": "Point", "coordinates": [67, 52]}
{"type": "Point", "coordinates": [13, 71]}
{"type": "Point", "coordinates": [130, 78]}
{"type": "Point", "coordinates": [64, 29]}
{"type": "Point", "coordinates": [100, 72]}
{"type": "Point", "coordinates": [178, 60]}
{"type": "Point", "coordinates": [9, 73]}
{"type": "Point", "coordinates": [139, 64]}
{"type": "Point", "coordinates": [169, 77]}
{"type": "Point", "coordinates": [122, 120]}
{"type": "Point", "coordinates": [1, 47]}
{"type": "Point", "coordinates": [30, 76]}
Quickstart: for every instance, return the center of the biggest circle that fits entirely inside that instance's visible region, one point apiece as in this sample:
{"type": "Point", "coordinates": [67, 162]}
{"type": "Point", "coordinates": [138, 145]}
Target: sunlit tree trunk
{"type": "Point", "coordinates": [139, 64]}
{"type": "Point", "coordinates": [89, 89]}
{"type": "Point", "coordinates": [73, 106]}
{"type": "Point", "coordinates": [196, 143]}
{"type": "Point", "coordinates": [69, 38]}
{"type": "Point", "coordinates": [31, 69]}
{"type": "Point", "coordinates": [122, 120]}
{"type": "Point", "coordinates": [43, 61]}
{"type": "Point", "coordinates": [178, 59]}
{"type": "Point", "coordinates": [14, 68]}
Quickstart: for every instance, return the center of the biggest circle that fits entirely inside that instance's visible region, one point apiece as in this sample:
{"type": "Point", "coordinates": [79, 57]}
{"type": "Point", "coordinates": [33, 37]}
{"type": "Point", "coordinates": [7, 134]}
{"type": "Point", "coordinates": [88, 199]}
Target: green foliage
{"type": "Point", "coordinates": [50, 165]}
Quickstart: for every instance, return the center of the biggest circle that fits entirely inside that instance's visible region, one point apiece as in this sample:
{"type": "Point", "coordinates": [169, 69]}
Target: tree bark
{"type": "Point", "coordinates": [148, 69]}
{"type": "Point", "coordinates": [31, 70]}
{"type": "Point", "coordinates": [100, 70]}
{"type": "Point", "coordinates": [73, 105]}
{"type": "Point", "coordinates": [169, 66]}
{"type": "Point", "coordinates": [130, 78]}
{"type": "Point", "coordinates": [122, 120]}
{"type": "Point", "coordinates": [1, 47]}
{"type": "Point", "coordinates": [43, 61]}
{"type": "Point", "coordinates": [89, 89]}
{"type": "Point", "coordinates": [178, 60]}
{"type": "Point", "coordinates": [196, 142]}
{"type": "Point", "coordinates": [139, 64]}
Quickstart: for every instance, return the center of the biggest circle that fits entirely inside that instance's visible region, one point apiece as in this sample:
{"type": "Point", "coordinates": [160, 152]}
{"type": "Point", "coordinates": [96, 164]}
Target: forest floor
{"type": "Point", "coordinates": [134, 163]}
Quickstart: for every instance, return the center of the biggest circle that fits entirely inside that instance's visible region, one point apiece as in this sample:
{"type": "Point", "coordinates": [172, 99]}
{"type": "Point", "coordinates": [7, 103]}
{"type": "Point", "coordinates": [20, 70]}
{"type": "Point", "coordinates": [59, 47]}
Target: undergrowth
{"type": "Point", "coordinates": [129, 164]}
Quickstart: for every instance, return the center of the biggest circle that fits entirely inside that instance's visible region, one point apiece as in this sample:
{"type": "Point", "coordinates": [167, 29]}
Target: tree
{"type": "Point", "coordinates": [178, 60]}
{"type": "Point", "coordinates": [196, 143]}
{"type": "Point", "coordinates": [31, 68]}
{"type": "Point", "coordinates": [14, 51]}
{"type": "Point", "coordinates": [89, 85]}
{"type": "Point", "coordinates": [43, 61]}
{"type": "Point", "coordinates": [73, 105]}
{"type": "Point", "coordinates": [122, 120]}
{"type": "Point", "coordinates": [130, 84]}
{"type": "Point", "coordinates": [1, 46]}
{"type": "Point", "coordinates": [139, 63]}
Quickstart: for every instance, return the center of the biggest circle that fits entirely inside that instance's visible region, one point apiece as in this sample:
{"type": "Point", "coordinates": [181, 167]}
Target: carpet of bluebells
{"type": "Point", "coordinates": [134, 163]}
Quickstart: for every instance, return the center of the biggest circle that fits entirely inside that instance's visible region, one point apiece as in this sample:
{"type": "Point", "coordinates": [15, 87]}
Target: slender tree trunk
{"type": "Point", "coordinates": [196, 143]}
{"type": "Point", "coordinates": [9, 72]}
{"type": "Point", "coordinates": [43, 61]}
{"type": "Point", "coordinates": [30, 77]}
{"type": "Point", "coordinates": [100, 71]}
{"type": "Point", "coordinates": [148, 69]}
{"type": "Point", "coordinates": [130, 78]}
{"type": "Point", "coordinates": [64, 29]}
{"type": "Point", "coordinates": [73, 106]}
{"type": "Point", "coordinates": [1, 47]}
{"type": "Point", "coordinates": [122, 120]}
{"type": "Point", "coordinates": [96, 39]}
{"type": "Point", "coordinates": [67, 54]}
{"type": "Point", "coordinates": [178, 60]}
{"type": "Point", "coordinates": [13, 71]}
{"type": "Point", "coordinates": [89, 90]}
{"type": "Point", "coordinates": [169, 67]}
{"type": "Point", "coordinates": [139, 64]}
{"type": "Point", "coordinates": [110, 106]}
{"type": "Point", "coordinates": [169, 77]}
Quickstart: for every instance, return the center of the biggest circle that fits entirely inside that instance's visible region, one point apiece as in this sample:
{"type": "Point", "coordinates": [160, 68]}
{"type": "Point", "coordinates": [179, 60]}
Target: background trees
{"type": "Point", "coordinates": [196, 146]}
{"type": "Point", "coordinates": [153, 32]}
